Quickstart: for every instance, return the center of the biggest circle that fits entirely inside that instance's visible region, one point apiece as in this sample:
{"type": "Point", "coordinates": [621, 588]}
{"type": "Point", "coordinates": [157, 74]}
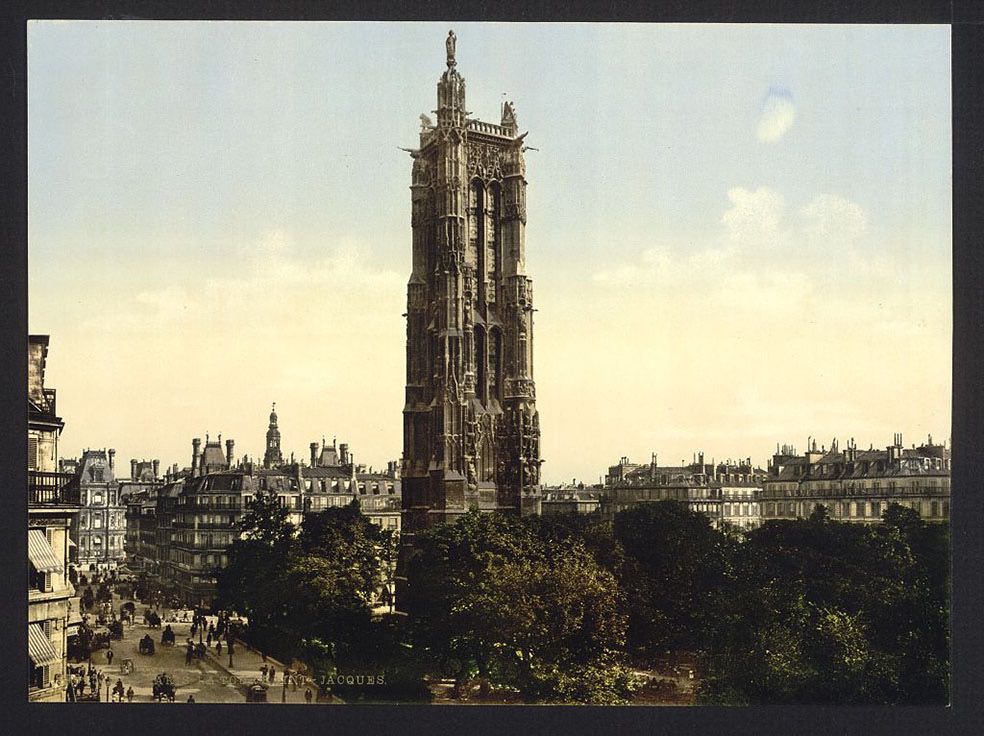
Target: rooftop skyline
{"type": "Point", "coordinates": [738, 235]}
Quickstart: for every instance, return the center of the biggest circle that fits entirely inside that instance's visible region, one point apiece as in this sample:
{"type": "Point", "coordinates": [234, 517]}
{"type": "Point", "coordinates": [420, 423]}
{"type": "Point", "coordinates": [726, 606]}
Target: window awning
{"type": "Point", "coordinates": [40, 553]}
{"type": "Point", "coordinates": [71, 543]}
{"type": "Point", "coordinates": [38, 646]}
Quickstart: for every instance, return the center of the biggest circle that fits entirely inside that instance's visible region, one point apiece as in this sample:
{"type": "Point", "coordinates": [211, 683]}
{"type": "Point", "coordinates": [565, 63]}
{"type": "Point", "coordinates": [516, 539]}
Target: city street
{"type": "Point", "coordinates": [211, 680]}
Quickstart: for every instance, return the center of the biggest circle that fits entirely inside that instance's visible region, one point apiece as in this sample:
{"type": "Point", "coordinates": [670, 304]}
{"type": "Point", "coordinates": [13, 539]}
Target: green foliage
{"type": "Point", "coordinates": [396, 670]}
{"type": "Point", "coordinates": [673, 559]}
{"type": "Point", "coordinates": [519, 605]}
{"type": "Point", "coordinates": [306, 589]}
{"type": "Point", "coordinates": [826, 612]}
{"type": "Point", "coordinates": [267, 521]}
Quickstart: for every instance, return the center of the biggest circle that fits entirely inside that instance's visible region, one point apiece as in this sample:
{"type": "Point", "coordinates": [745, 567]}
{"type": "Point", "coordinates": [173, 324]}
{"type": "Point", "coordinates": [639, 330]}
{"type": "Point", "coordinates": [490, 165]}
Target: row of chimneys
{"type": "Point", "coordinates": [133, 468]}
{"type": "Point", "coordinates": [196, 447]}
{"type": "Point", "coordinates": [850, 453]}
{"type": "Point", "coordinates": [343, 450]}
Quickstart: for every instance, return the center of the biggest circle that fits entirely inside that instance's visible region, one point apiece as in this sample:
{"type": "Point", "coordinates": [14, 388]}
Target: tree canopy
{"type": "Point", "coordinates": [825, 612]}
{"type": "Point", "coordinates": [489, 596]}
{"type": "Point", "coordinates": [307, 587]}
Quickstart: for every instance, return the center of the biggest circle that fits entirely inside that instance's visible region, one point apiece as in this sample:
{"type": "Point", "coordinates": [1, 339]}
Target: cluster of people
{"type": "Point", "coordinates": [268, 674]}
{"type": "Point", "coordinates": [119, 693]}
{"type": "Point", "coordinates": [194, 650]}
{"type": "Point", "coordinates": [79, 679]}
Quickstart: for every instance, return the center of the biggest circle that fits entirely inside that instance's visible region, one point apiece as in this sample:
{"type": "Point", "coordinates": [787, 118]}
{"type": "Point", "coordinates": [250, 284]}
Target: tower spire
{"type": "Point", "coordinates": [272, 456]}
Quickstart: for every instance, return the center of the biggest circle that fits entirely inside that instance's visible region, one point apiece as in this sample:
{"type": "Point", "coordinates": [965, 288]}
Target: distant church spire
{"type": "Point", "coordinates": [272, 456]}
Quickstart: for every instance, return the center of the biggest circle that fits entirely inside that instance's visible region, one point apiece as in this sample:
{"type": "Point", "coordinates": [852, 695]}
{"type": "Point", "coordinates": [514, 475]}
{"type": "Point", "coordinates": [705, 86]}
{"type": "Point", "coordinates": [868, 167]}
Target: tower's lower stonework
{"type": "Point", "coordinates": [471, 434]}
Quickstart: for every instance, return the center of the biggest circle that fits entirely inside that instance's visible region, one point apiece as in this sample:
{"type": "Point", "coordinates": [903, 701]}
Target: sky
{"type": "Point", "coordinates": [738, 235]}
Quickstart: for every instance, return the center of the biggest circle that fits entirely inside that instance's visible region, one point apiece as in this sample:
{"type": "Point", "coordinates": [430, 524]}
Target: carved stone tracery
{"type": "Point", "coordinates": [484, 160]}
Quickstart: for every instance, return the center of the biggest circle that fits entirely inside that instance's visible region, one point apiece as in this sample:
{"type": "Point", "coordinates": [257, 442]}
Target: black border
{"type": "Point", "coordinates": [966, 715]}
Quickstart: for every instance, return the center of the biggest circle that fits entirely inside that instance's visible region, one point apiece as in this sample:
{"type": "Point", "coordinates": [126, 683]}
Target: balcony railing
{"type": "Point", "coordinates": [52, 489]}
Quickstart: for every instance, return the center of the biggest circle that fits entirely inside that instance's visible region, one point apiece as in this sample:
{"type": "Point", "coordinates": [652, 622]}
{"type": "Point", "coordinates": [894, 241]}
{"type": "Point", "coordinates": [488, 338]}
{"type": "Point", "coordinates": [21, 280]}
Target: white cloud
{"type": "Point", "coordinates": [754, 218]}
{"type": "Point", "coordinates": [778, 114]}
{"type": "Point", "coordinates": [830, 216]}
{"type": "Point", "coordinates": [762, 259]}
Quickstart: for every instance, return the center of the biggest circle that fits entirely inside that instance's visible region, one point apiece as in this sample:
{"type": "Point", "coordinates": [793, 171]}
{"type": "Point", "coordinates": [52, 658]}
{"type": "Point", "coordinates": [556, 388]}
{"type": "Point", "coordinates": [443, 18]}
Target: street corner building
{"type": "Point", "coordinates": [52, 506]}
{"type": "Point", "coordinates": [471, 434]}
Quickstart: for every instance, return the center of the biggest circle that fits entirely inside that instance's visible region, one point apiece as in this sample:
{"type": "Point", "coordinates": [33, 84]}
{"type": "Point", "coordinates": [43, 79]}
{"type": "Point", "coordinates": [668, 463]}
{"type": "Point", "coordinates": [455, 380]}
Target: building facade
{"type": "Point", "coordinates": [471, 430]}
{"type": "Point", "coordinates": [100, 528]}
{"type": "Point", "coordinates": [141, 531]}
{"type": "Point", "coordinates": [197, 516]}
{"type": "Point", "coordinates": [727, 493]}
{"type": "Point", "coordinates": [562, 500]}
{"type": "Point", "coordinates": [138, 494]}
{"type": "Point", "coordinates": [52, 505]}
{"type": "Point", "coordinates": [858, 485]}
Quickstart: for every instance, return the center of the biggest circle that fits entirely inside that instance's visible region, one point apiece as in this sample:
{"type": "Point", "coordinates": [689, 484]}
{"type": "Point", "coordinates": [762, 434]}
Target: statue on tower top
{"type": "Point", "coordinates": [450, 47]}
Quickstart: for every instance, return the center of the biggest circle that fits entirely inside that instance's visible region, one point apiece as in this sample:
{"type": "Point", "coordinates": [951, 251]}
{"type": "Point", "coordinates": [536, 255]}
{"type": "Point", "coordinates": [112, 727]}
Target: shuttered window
{"type": "Point", "coordinates": [32, 453]}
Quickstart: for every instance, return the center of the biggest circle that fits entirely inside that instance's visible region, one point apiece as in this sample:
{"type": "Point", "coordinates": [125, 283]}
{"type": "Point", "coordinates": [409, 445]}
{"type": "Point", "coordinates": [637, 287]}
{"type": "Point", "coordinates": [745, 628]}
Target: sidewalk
{"type": "Point", "coordinates": [246, 664]}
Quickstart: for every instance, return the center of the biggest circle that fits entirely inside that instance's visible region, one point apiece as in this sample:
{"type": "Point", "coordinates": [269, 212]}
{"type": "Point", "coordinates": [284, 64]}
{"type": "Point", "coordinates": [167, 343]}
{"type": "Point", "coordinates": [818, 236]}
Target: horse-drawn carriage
{"type": "Point", "coordinates": [256, 693]}
{"type": "Point", "coordinates": [151, 619]}
{"type": "Point", "coordinates": [167, 636]}
{"type": "Point", "coordinates": [163, 688]}
{"type": "Point", "coordinates": [100, 638]}
{"type": "Point", "coordinates": [146, 645]}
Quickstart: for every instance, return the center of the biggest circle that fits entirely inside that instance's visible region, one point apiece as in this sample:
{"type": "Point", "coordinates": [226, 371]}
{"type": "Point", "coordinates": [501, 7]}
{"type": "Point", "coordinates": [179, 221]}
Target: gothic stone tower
{"type": "Point", "coordinates": [471, 436]}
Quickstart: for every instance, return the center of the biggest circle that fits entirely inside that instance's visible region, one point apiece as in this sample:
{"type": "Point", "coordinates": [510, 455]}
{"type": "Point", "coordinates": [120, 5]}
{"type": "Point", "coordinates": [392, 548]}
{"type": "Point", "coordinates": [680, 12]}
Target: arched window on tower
{"type": "Point", "coordinates": [476, 224]}
{"type": "Point", "coordinates": [495, 203]}
{"type": "Point", "coordinates": [495, 363]}
{"type": "Point", "coordinates": [481, 363]}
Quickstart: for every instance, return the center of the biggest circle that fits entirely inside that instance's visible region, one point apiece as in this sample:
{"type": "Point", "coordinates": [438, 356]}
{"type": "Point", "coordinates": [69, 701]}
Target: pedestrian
{"type": "Point", "coordinates": [208, 639]}
{"type": "Point", "coordinates": [109, 656]}
{"type": "Point", "coordinates": [188, 654]}
{"type": "Point", "coordinates": [191, 699]}
{"type": "Point", "coordinates": [129, 694]}
{"type": "Point", "coordinates": [118, 690]}
{"type": "Point", "coordinates": [273, 673]}
{"type": "Point", "coordinates": [263, 671]}
{"type": "Point", "coordinates": [308, 695]}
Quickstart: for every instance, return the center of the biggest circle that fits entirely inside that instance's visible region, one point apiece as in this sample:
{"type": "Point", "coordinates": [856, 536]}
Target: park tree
{"type": "Point", "coordinates": [673, 559]}
{"type": "Point", "coordinates": [826, 612]}
{"type": "Point", "coordinates": [491, 597]}
{"type": "Point", "coordinates": [338, 571]}
{"type": "Point", "coordinates": [255, 580]}
{"type": "Point", "coordinates": [307, 591]}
